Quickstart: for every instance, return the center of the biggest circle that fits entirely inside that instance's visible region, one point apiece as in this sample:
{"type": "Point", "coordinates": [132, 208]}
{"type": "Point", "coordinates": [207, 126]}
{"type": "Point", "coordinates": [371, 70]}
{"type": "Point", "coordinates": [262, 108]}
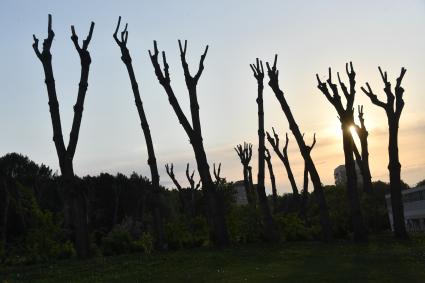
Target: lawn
{"type": "Point", "coordinates": [381, 260]}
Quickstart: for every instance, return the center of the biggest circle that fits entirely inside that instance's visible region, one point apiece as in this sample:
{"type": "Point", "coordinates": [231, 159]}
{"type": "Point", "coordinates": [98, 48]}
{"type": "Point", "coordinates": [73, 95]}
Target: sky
{"type": "Point", "coordinates": [309, 37]}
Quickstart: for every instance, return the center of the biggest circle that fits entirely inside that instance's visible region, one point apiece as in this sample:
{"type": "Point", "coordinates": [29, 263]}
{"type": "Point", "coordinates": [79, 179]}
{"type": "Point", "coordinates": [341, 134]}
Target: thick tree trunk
{"type": "Point", "coordinates": [359, 229]}
{"type": "Point", "coordinates": [304, 195]}
{"type": "Point", "coordinates": [5, 214]}
{"type": "Point", "coordinates": [270, 231]}
{"type": "Point", "coordinates": [393, 108]}
{"type": "Point", "coordinates": [394, 168]}
{"type": "Point", "coordinates": [215, 209]}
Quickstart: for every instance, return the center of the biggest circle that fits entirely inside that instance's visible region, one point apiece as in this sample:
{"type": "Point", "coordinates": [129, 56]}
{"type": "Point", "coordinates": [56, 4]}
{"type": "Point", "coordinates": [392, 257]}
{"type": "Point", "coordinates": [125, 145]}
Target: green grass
{"type": "Point", "coordinates": [381, 260]}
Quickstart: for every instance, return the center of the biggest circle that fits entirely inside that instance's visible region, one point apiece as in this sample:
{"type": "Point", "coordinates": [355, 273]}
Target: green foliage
{"type": "Point", "coordinates": [43, 237]}
{"type": "Point", "coordinates": [200, 234]}
{"type": "Point", "coordinates": [117, 241]}
{"type": "Point", "coordinates": [178, 234]}
{"type": "Point", "coordinates": [244, 224]}
{"type": "Point", "coordinates": [292, 228]}
{"type": "Point", "coordinates": [144, 244]}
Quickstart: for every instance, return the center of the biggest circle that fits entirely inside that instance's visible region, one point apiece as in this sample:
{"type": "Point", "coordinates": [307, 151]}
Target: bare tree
{"type": "Point", "coordinates": [346, 117]}
{"type": "Point", "coordinates": [126, 58]}
{"type": "Point", "coordinates": [283, 156]}
{"type": "Point", "coordinates": [273, 74]}
{"type": "Point", "coordinates": [363, 157]}
{"type": "Point", "coordinates": [393, 108]}
{"type": "Point", "coordinates": [192, 189]}
{"type": "Point", "coordinates": [75, 210]}
{"type": "Point", "coordinates": [193, 131]}
{"type": "Point", "coordinates": [245, 154]}
{"type": "Point", "coordinates": [269, 225]}
{"type": "Point", "coordinates": [170, 172]}
{"type": "Point", "coordinates": [268, 159]}
{"type": "Point", "coordinates": [217, 177]}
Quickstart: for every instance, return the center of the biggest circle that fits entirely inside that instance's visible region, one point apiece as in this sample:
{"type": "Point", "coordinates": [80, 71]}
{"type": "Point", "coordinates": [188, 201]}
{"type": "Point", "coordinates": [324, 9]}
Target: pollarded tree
{"type": "Point", "coordinates": [245, 154]}
{"type": "Point", "coordinates": [283, 156]}
{"type": "Point", "coordinates": [189, 194]}
{"type": "Point", "coordinates": [363, 157]}
{"type": "Point", "coordinates": [192, 189]}
{"type": "Point", "coordinates": [269, 225]}
{"type": "Point", "coordinates": [268, 159]}
{"type": "Point", "coordinates": [157, 216]}
{"type": "Point", "coordinates": [170, 171]}
{"type": "Point", "coordinates": [346, 117]}
{"type": "Point", "coordinates": [273, 74]}
{"type": "Point", "coordinates": [193, 131]}
{"type": "Point", "coordinates": [393, 108]}
{"type": "Point", "coordinates": [75, 210]}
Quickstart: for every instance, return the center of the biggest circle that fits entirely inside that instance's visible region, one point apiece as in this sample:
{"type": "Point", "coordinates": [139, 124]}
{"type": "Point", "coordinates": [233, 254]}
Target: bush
{"type": "Point", "coordinates": [178, 234]}
{"type": "Point", "coordinates": [292, 228]}
{"type": "Point", "coordinates": [117, 241]}
{"type": "Point", "coordinates": [144, 244]}
{"type": "Point", "coordinates": [244, 224]}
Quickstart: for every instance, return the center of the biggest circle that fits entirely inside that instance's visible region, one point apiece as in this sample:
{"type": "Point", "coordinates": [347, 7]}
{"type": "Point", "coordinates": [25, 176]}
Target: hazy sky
{"type": "Point", "coordinates": [309, 36]}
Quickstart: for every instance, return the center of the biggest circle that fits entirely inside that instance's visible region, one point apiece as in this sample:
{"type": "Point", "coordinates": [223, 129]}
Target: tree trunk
{"type": "Point", "coordinates": [394, 168]}
{"type": "Point", "coordinates": [270, 231]}
{"type": "Point", "coordinates": [273, 183]}
{"type": "Point", "coordinates": [317, 184]}
{"type": "Point", "coordinates": [359, 229]}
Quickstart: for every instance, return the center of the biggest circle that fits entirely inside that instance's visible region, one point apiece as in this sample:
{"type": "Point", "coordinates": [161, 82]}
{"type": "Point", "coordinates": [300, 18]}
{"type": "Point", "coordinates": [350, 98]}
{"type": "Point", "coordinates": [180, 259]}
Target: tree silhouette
{"type": "Point", "coordinates": [273, 74]}
{"type": "Point", "coordinates": [170, 171]}
{"type": "Point", "coordinates": [269, 225]}
{"type": "Point", "coordinates": [192, 189]}
{"type": "Point", "coordinates": [363, 157]}
{"type": "Point", "coordinates": [283, 156]}
{"type": "Point", "coordinates": [245, 154]}
{"type": "Point", "coordinates": [182, 193]}
{"type": "Point", "coordinates": [268, 159]}
{"type": "Point", "coordinates": [217, 173]}
{"type": "Point", "coordinates": [75, 210]}
{"type": "Point", "coordinates": [346, 117]}
{"type": "Point", "coordinates": [393, 108]}
{"type": "Point", "coordinates": [304, 193]}
{"type": "Point", "coordinates": [193, 131]}
{"type": "Point", "coordinates": [126, 58]}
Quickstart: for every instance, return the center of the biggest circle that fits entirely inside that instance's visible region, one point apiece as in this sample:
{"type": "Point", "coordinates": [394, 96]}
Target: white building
{"type": "Point", "coordinates": [414, 208]}
{"type": "Point", "coordinates": [341, 176]}
{"type": "Point", "coordinates": [240, 195]}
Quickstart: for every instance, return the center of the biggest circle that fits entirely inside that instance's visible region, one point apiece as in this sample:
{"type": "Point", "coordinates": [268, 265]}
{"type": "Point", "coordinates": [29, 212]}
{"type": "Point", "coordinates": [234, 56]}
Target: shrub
{"type": "Point", "coordinates": [144, 244]}
{"type": "Point", "coordinates": [117, 241]}
{"type": "Point", "coordinates": [244, 224]}
{"type": "Point", "coordinates": [292, 228]}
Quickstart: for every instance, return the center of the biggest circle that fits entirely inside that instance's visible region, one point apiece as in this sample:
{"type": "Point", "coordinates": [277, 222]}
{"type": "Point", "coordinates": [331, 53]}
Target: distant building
{"type": "Point", "coordinates": [341, 176]}
{"type": "Point", "coordinates": [414, 209]}
{"type": "Point", "coordinates": [240, 195]}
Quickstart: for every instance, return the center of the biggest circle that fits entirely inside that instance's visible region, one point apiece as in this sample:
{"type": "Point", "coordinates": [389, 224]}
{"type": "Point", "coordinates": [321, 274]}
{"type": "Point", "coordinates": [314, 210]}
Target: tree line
{"type": "Point", "coordinates": [75, 196]}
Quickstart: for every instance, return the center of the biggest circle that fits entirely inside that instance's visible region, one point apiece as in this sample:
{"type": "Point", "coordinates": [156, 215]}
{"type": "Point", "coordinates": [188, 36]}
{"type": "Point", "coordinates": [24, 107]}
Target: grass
{"type": "Point", "coordinates": [381, 260]}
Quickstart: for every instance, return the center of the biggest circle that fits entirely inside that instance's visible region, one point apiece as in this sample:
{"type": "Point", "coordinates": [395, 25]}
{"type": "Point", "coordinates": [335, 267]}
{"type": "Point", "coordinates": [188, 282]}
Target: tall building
{"type": "Point", "coordinates": [341, 176]}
